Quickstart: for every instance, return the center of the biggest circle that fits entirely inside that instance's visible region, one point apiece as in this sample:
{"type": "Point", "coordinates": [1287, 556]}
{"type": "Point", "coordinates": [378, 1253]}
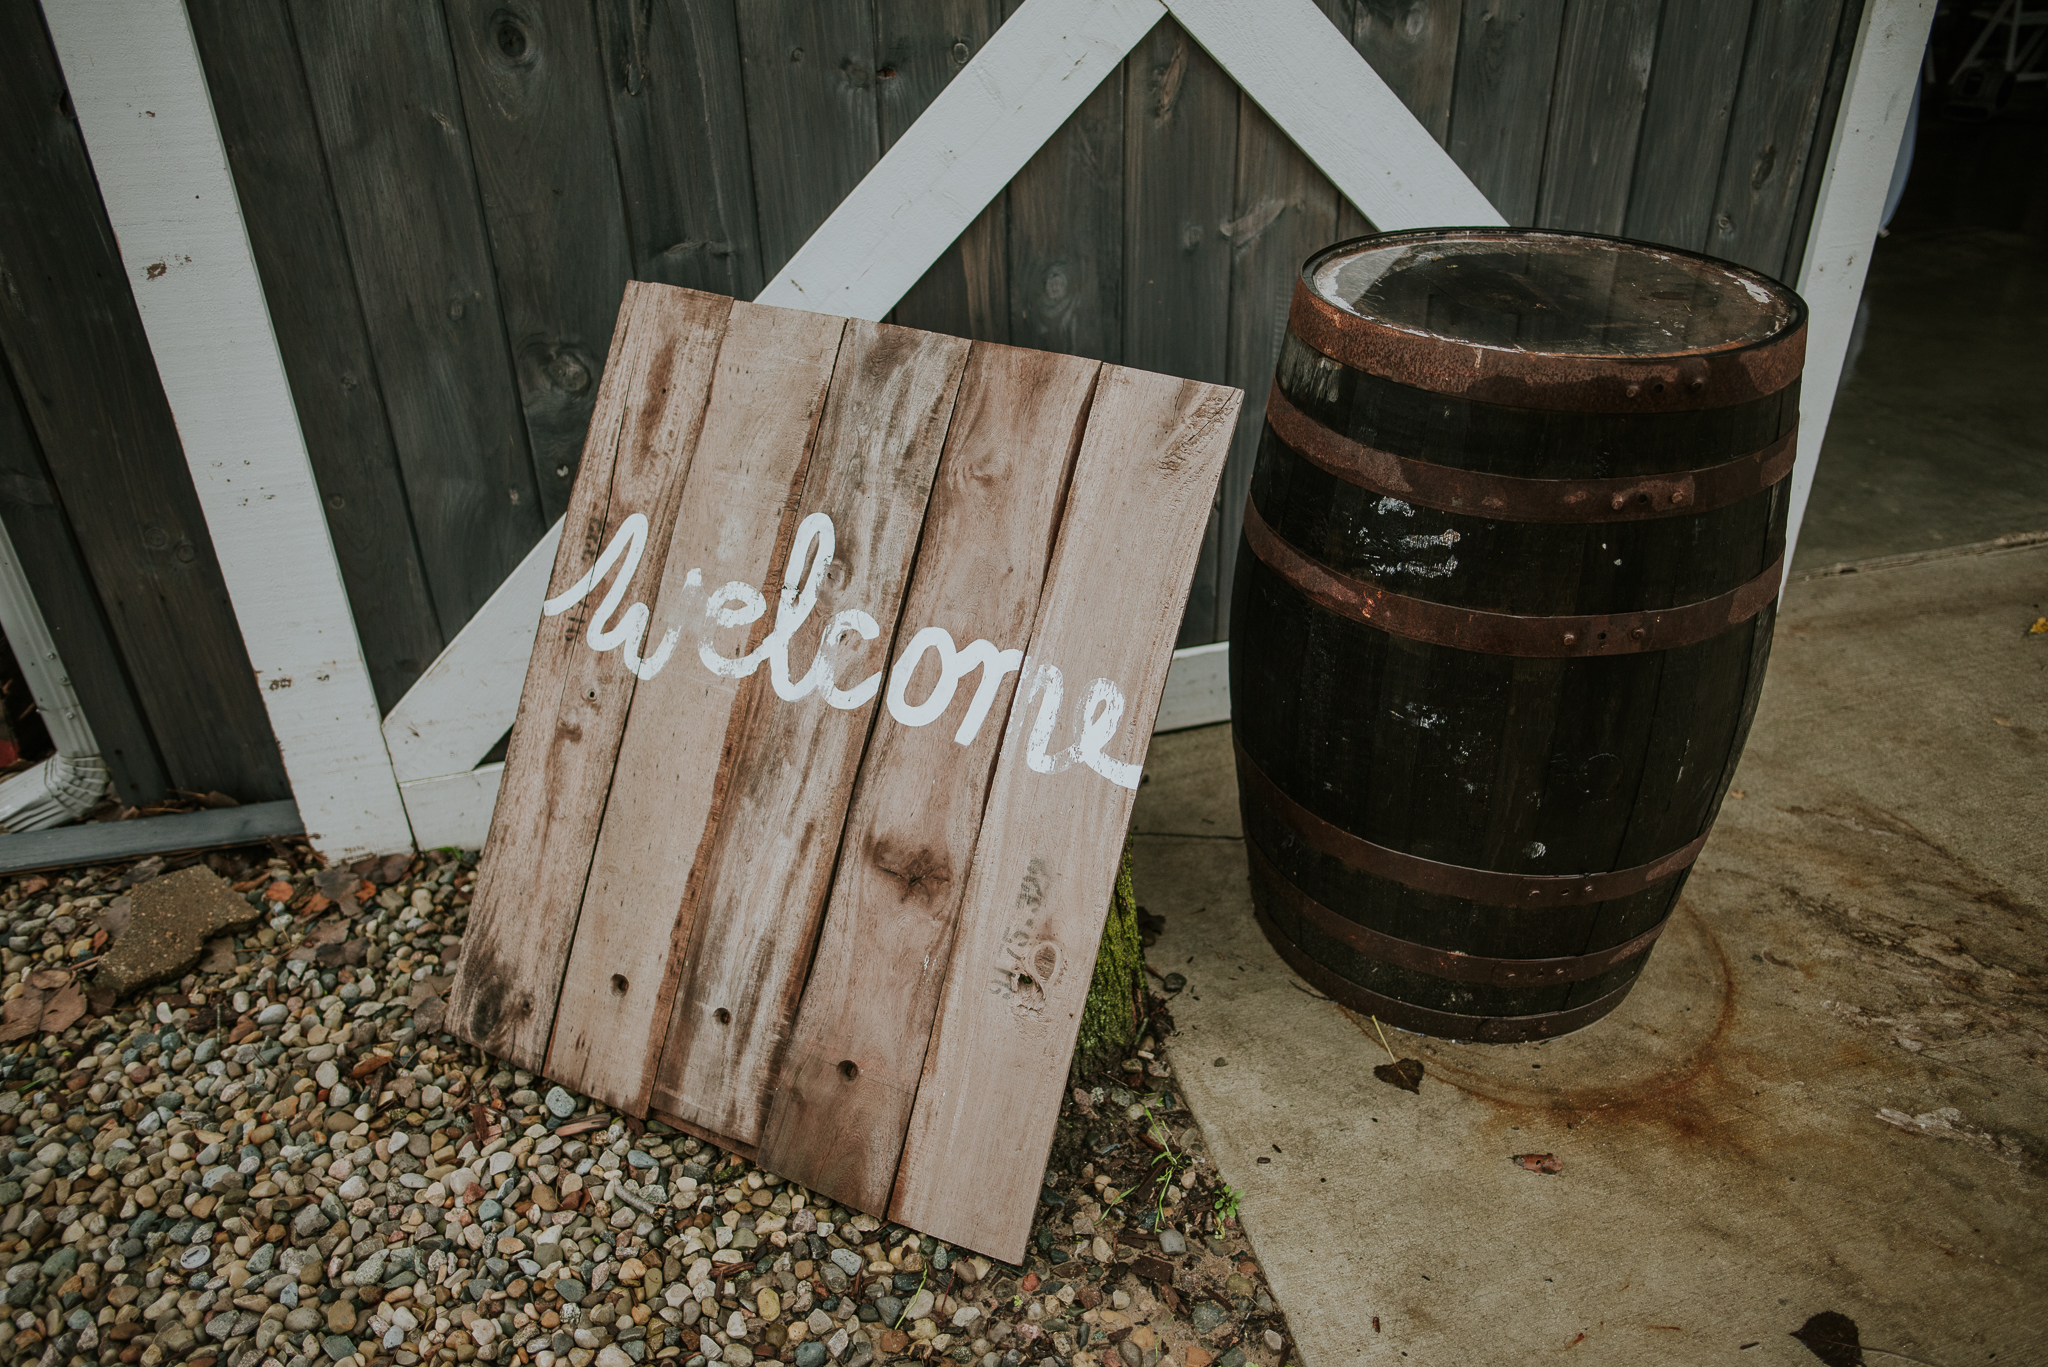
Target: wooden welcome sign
{"type": "Point", "coordinates": [829, 740]}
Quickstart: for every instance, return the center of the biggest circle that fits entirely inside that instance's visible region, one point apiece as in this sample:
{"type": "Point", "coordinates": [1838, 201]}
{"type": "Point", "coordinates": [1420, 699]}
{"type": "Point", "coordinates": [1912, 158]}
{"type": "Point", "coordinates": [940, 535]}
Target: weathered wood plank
{"type": "Point", "coordinates": [573, 709]}
{"type": "Point", "coordinates": [1180, 131]}
{"type": "Point", "coordinates": [923, 45]}
{"type": "Point", "coordinates": [1047, 858]}
{"type": "Point", "coordinates": [170, 199]}
{"type": "Point", "coordinates": [87, 380]}
{"type": "Point", "coordinates": [858, 1046]}
{"type": "Point", "coordinates": [791, 767]}
{"type": "Point", "coordinates": [58, 576]}
{"type": "Point", "coordinates": [811, 123]}
{"type": "Point", "coordinates": [1285, 210]}
{"type": "Point", "coordinates": [1685, 121]}
{"type": "Point", "coordinates": [1066, 222]}
{"type": "Point", "coordinates": [672, 76]}
{"type": "Point", "coordinates": [1806, 201]}
{"type": "Point", "coordinates": [266, 120]}
{"type": "Point", "coordinates": [532, 90]}
{"type": "Point", "coordinates": [1603, 78]}
{"type": "Point", "coordinates": [391, 123]}
{"type": "Point", "coordinates": [1771, 132]}
{"type": "Point", "coordinates": [1507, 56]}
{"type": "Point", "coordinates": [1343, 115]}
{"type": "Point", "coordinates": [619, 988]}
{"type": "Point", "coordinates": [1413, 45]}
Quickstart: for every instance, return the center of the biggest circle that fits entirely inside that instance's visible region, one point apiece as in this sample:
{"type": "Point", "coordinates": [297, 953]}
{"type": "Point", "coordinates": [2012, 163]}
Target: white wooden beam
{"type": "Point", "coordinates": [1349, 122]}
{"type": "Point", "coordinates": [966, 146]}
{"type": "Point", "coordinates": [454, 810]}
{"type": "Point", "coordinates": [141, 98]}
{"type": "Point", "coordinates": [465, 702]}
{"type": "Point", "coordinates": [1861, 158]}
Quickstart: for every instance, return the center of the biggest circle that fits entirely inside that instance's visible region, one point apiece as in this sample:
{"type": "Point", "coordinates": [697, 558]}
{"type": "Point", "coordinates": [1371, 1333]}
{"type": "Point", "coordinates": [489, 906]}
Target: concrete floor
{"type": "Point", "coordinates": [1829, 1091]}
{"type": "Point", "coordinates": [1938, 436]}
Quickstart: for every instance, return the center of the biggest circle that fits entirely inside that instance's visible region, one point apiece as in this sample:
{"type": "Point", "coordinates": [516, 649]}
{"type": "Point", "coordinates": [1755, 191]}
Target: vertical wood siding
{"type": "Point", "coordinates": [81, 368]}
{"type": "Point", "coordinates": [447, 198]}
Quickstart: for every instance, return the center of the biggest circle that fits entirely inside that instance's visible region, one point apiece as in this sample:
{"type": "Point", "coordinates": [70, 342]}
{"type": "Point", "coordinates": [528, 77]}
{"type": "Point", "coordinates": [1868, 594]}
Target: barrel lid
{"type": "Point", "coordinates": [1552, 320]}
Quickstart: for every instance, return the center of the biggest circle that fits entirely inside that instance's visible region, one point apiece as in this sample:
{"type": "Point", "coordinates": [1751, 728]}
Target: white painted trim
{"type": "Point", "coordinates": [466, 701]}
{"type": "Point", "coordinates": [141, 98]}
{"type": "Point", "coordinates": [1875, 105]}
{"type": "Point", "coordinates": [453, 810]}
{"type": "Point", "coordinates": [970, 143]}
{"type": "Point", "coordinates": [1197, 688]}
{"type": "Point", "coordinates": [35, 650]}
{"type": "Point", "coordinates": [1324, 95]}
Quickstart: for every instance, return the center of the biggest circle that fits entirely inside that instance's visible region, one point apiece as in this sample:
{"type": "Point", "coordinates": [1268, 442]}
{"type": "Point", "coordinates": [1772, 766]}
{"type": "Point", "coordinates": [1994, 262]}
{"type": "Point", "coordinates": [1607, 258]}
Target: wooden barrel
{"type": "Point", "coordinates": [1501, 612]}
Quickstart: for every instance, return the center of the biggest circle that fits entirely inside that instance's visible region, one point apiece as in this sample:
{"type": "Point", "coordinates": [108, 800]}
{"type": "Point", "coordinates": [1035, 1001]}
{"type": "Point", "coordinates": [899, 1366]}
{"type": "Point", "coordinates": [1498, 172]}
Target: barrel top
{"type": "Point", "coordinates": [1578, 296]}
{"type": "Point", "coordinates": [1552, 320]}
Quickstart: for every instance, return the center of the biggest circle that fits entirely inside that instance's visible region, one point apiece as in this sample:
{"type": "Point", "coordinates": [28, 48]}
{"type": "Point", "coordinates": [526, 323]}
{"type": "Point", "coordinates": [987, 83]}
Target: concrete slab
{"type": "Point", "coordinates": [1828, 1093]}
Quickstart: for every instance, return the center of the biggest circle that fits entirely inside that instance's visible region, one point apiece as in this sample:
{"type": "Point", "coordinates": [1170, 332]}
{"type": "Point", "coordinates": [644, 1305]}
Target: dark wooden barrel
{"type": "Point", "coordinates": [1501, 613]}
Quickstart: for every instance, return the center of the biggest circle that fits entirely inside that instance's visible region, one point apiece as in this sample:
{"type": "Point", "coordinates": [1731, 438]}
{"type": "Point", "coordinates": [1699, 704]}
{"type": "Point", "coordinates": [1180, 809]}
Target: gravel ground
{"type": "Point", "coordinates": [280, 1159]}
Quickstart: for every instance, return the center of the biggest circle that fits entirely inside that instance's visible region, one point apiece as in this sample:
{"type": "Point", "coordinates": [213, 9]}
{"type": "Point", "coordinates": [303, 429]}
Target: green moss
{"type": "Point", "coordinates": [1109, 1022]}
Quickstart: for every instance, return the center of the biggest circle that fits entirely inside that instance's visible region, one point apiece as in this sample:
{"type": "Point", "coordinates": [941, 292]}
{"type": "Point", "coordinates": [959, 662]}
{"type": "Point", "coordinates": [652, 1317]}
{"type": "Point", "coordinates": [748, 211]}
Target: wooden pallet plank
{"type": "Point", "coordinates": [266, 120]}
{"type": "Point", "coordinates": [1771, 131]}
{"type": "Point", "coordinates": [1047, 858]}
{"type": "Point", "coordinates": [792, 763]}
{"type": "Point", "coordinates": [573, 708]}
{"type": "Point", "coordinates": [1285, 209]}
{"type": "Point", "coordinates": [618, 990]}
{"type": "Point", "coordinates": [1603, 75]}
{"type": "Point", "coordinates": [811, 125]}
{"type": "Point", "coordinates": [858, 1046]}
{"type": "Point", "coordinates": [534, 97]}
{"type": "Point", "coordinates": [1685, 121]}
{"type": "Point", "coordinates": [678, 109]}
{"type": "Point", "coordinates": [1179, 190]}
{"type": "Point", "coordinates": [384, 90]}
{"type": "Point", "coordinates": [1507, 57]}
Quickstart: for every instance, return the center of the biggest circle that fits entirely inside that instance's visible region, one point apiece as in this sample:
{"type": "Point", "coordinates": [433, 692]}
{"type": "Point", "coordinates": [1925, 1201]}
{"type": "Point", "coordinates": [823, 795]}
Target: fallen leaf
{"type": "Point", "coordinates": [279, 891]}
{"type": "Point", "coordinates": [2040, 627]}
{"type": "Point", "coordinates": [50, 979]}
{"type": "Point", "coordinates": [23, 1016]}
{"type": "Point", "coordinates": [1540, 1162]}
{"type": "Point", "coordinates": [1832, 1337]}
{"type": "Point", "coordinates": [369, 1065]}
{"type": "Point", "coordinates": [1405, 1074]}
{"type": "Point", "coordinates": [34, 886]}
{"type": "Point", "coordinates": [318, 903]}
{"type": "Point", "coordinates": [63, 1011]}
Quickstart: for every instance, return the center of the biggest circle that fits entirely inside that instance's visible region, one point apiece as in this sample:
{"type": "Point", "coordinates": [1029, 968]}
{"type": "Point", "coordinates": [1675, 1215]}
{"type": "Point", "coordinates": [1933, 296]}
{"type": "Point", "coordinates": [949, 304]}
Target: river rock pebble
{"type": "Point", "coordinates": [279, 1160]}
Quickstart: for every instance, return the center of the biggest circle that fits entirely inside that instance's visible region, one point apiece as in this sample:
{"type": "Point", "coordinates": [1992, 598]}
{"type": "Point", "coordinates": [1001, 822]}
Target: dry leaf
{"type": "Point", "coordinates": [50, 979]}
{"type": "Point", "coordinates": [63, 1010]}
{"type": "Point", "coordinates": [1405, 1074]}
{"type": "Point", "coordinates": [23, 1016]}
{"type": "Point", "coordinates": [1540, 1162]}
